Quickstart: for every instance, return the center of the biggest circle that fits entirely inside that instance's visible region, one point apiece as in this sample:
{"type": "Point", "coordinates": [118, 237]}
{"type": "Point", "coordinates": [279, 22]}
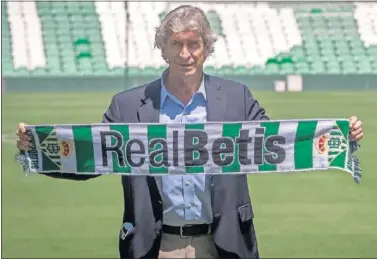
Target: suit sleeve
{"type": "Point", "coordinates": [253, 110]}
{"type": "Point", "coordinates": [111, 115]}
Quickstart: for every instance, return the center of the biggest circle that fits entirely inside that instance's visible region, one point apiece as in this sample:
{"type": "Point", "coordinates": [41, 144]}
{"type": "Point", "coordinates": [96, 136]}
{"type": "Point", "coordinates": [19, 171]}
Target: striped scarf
{"type": "Point", "coordinates": [212, 148]}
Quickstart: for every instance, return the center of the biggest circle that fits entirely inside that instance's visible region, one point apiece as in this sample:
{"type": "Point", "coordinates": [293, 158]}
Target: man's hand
{"type": "Point", "coordinates": [356, 129]}
{"type": "Point", "coordinates": [23, 142]}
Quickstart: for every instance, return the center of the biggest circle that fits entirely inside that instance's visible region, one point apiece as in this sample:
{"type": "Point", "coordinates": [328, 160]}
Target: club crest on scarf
{"type": "Point", "coordinates": [66, 148]}
{"type": "Point", "coordinates": [51, 148]}
{"type": "Point", "coordinates": [55, 149]}
{"type": "Point", "coordinates": [333, 143]}
{"type": "Point", "coordinates": [321, 144]}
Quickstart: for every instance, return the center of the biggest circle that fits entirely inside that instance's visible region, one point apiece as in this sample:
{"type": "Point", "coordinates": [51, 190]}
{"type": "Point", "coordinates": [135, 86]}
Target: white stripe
{"type": "Point", "coordinates": [180, 169]}
{"type": "Point", "coordinates": [251, 167]}
{"type": "Point", "coordinates": [288, 130]}
{"type": "Point", "coordinates": [68, 163]}
{"type": "Point", "coordinates": [140, 132]}
{"type": "Point", "coordinates": [100, 168]}
{"type": "Point", "coordinates": [321, 160]}
{"type": "Point", "coordinates": [214, 131]}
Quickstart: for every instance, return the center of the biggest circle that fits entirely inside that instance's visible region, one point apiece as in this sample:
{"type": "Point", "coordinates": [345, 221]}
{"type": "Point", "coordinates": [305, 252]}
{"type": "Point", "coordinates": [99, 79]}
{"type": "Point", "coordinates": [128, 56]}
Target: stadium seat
{"type": "Point", "coordinates": [96, 38]}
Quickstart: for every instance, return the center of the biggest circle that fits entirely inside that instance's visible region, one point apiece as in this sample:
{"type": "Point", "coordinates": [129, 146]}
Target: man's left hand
{"type": "Point", "coordinates": [356, 128]}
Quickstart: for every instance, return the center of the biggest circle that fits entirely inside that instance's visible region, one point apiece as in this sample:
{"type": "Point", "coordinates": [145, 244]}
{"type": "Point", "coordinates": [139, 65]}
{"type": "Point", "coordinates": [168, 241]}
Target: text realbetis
{"type": "Point", "coordinates": [212, 148]}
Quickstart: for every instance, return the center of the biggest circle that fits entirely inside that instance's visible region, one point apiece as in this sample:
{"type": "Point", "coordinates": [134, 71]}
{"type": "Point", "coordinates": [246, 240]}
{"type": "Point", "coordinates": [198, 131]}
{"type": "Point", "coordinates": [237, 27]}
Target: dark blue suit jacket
{"type": "Point", "coordinates": [234, 233]}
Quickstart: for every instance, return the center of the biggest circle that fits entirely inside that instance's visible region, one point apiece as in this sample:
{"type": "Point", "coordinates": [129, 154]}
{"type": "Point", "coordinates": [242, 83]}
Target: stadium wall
{"type": "Point", "coordinates": [114, 83]}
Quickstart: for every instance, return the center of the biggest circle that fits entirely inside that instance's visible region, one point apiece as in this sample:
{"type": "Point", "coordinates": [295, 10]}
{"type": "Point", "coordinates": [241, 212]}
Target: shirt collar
{"type": "Point", "coordinates": [165, 93]}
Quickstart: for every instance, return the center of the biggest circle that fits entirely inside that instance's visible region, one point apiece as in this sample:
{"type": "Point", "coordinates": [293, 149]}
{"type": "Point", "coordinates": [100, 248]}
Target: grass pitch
{"type": "Point", "coordinates": [316, 214]}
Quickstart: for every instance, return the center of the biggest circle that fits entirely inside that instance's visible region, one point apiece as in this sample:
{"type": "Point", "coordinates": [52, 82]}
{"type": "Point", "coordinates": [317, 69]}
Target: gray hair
{"type": "Point", "coordinates": [185, 17]}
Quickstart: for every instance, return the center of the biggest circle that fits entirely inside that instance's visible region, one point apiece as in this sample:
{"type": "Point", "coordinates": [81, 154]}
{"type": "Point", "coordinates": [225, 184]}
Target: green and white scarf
{"type": "Point", "coordinates": [252, 147]}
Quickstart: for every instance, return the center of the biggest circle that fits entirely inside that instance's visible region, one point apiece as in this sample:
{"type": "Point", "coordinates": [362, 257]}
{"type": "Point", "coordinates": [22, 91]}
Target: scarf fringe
{"type": "Point", "coordinates": [357, 171]}
{"type": "Point", "coordinates": [354, 146]}
{"type": "Point", "coordinates": [356, 168]}
{"type": "Point", "coordinates": [22, 159]}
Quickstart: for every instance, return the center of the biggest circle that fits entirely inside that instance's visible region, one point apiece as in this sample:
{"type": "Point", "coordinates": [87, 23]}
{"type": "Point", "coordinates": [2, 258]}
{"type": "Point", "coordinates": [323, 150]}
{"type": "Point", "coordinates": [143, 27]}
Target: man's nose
{"type": "Point", "coordinates": [185, 53]}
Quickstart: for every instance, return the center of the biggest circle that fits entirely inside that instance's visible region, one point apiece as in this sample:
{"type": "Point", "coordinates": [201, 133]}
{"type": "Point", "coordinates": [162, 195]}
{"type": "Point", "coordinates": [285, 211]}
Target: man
{"type": "Point", "coordinates": [185, 216]}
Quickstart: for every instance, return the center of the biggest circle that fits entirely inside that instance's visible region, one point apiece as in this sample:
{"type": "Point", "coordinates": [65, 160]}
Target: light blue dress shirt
{"type": "Point", "coordinates": [186, 199]}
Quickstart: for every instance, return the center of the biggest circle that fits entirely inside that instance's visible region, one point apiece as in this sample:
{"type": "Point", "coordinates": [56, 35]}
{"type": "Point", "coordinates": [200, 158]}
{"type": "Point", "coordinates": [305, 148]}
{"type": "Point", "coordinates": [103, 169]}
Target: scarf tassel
{"type": "Point", "coordinates": [356, 168]}
{"type": "Point", "coordinates": [24, 161]}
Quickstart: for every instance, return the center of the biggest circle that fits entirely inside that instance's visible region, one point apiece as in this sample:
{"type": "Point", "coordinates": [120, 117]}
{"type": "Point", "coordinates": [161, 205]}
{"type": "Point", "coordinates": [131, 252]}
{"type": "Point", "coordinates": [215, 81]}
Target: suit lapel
{"type": "Point", "coordinates": [149, 109]}
{"type": "Point", "coordinates": [216, 101]}
{"type": "Point", "coordinates": [149, 112]}
{"type": "Point", "coordinates": [216, 108]}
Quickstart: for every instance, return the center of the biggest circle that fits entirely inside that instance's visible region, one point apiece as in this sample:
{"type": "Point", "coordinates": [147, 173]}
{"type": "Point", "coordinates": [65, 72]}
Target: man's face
{"type": "Point", "coordinates": [185, 52]}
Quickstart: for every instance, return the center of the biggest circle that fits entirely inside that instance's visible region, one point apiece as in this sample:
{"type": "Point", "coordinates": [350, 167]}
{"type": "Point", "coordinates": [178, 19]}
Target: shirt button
{"type": "Point", "coordinates": [186, 112]}
{"type": "Point", "coordinates": [189, 206]}
{"type": "Point", "coordinates": [188, 183]}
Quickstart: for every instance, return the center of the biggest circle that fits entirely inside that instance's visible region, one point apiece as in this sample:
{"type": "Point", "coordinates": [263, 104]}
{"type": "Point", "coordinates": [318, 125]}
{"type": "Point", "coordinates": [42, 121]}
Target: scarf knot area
{"type": "Point", "coordinates": [252, 147]}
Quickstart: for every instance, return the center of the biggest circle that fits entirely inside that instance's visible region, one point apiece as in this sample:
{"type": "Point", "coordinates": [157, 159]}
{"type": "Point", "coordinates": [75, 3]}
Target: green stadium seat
{"type": "Point", "coordinates": [133, 71]}
{"type": "Point", "coordinates": [241, 70]}
{"type": "Point", "coordinates": [256, 70]}
{"type": "Point", "coordinates": [215, 22]}
{"type": "Point", "coordinates": [317, 68]}
{"type": "Point", "coordinates": [210, 70]}
{"type": "Point", "coordinates": [118, 72]}
{"type": "Point", "coordinates": [287, 68]}
{"type": "Point", "coordinates": [225, 71]}
{"type": "Point", "coordinates": [38, 72]}
{"type": "Point", "coordinates": [22, 72]}
{"type": "Point", "coordinates": [74, 44]}
{"type": "Point", "coordinates": [149, 71]}
{"type": "Point", "coordinates": [272, 68]}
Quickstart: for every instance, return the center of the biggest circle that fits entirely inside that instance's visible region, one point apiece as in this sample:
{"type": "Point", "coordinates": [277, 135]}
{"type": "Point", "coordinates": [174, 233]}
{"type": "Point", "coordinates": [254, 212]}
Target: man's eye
{"type": "Point", "coordinates": [194, 44]}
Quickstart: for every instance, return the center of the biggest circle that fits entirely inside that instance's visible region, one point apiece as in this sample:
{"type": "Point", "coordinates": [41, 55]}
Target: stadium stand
{"type": "Point", "coordinates": [89, 38]}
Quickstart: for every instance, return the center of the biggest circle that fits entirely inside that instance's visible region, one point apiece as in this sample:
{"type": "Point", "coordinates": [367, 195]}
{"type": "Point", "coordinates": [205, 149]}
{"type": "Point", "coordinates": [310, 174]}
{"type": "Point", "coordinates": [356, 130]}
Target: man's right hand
{"type": "Point", "coordinates": [23, 142]}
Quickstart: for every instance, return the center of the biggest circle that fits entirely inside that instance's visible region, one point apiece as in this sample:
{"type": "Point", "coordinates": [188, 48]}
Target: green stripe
{"type": "Point", "coordinates": [344, 127]}
{"type": "Point", "coordinates": [304, 144]}
{"type": "Point", "coordinates": [82, 136]}
{"type": "Point", "coordinates": [124, 131]}
{"type": "Point", "coordinates": [157, 131]}
{"type": "Point", "coordinates": [232, 131]}
{"type": "Point", "coordinates": [43, 132]}
{"type": "Point", "coordinates": [194, 169]}
{"type": "Point", "coordinates": [339, 161]}
{"type": "Point", "coordinates": [271, 128]}
{"type": "Point", "coordinates": [48, 164]}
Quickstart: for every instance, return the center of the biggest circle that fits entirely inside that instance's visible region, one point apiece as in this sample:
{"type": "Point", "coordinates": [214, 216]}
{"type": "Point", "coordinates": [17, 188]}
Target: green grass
{"type": "Point", "coordinates": [318, 214]}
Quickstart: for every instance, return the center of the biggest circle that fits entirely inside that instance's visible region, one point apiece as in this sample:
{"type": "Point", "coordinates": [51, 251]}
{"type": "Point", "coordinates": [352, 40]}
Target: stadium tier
{"type": "Point", "coordinates": [89, 38]}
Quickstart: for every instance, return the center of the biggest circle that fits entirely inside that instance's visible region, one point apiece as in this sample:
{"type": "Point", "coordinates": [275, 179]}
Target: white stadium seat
{"type": "Point", "coordinates": [254, 32]}
{"type": "Point", "coordinates": [366, 16]}
{"type": "Point", "coordinates": [26, 35]}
